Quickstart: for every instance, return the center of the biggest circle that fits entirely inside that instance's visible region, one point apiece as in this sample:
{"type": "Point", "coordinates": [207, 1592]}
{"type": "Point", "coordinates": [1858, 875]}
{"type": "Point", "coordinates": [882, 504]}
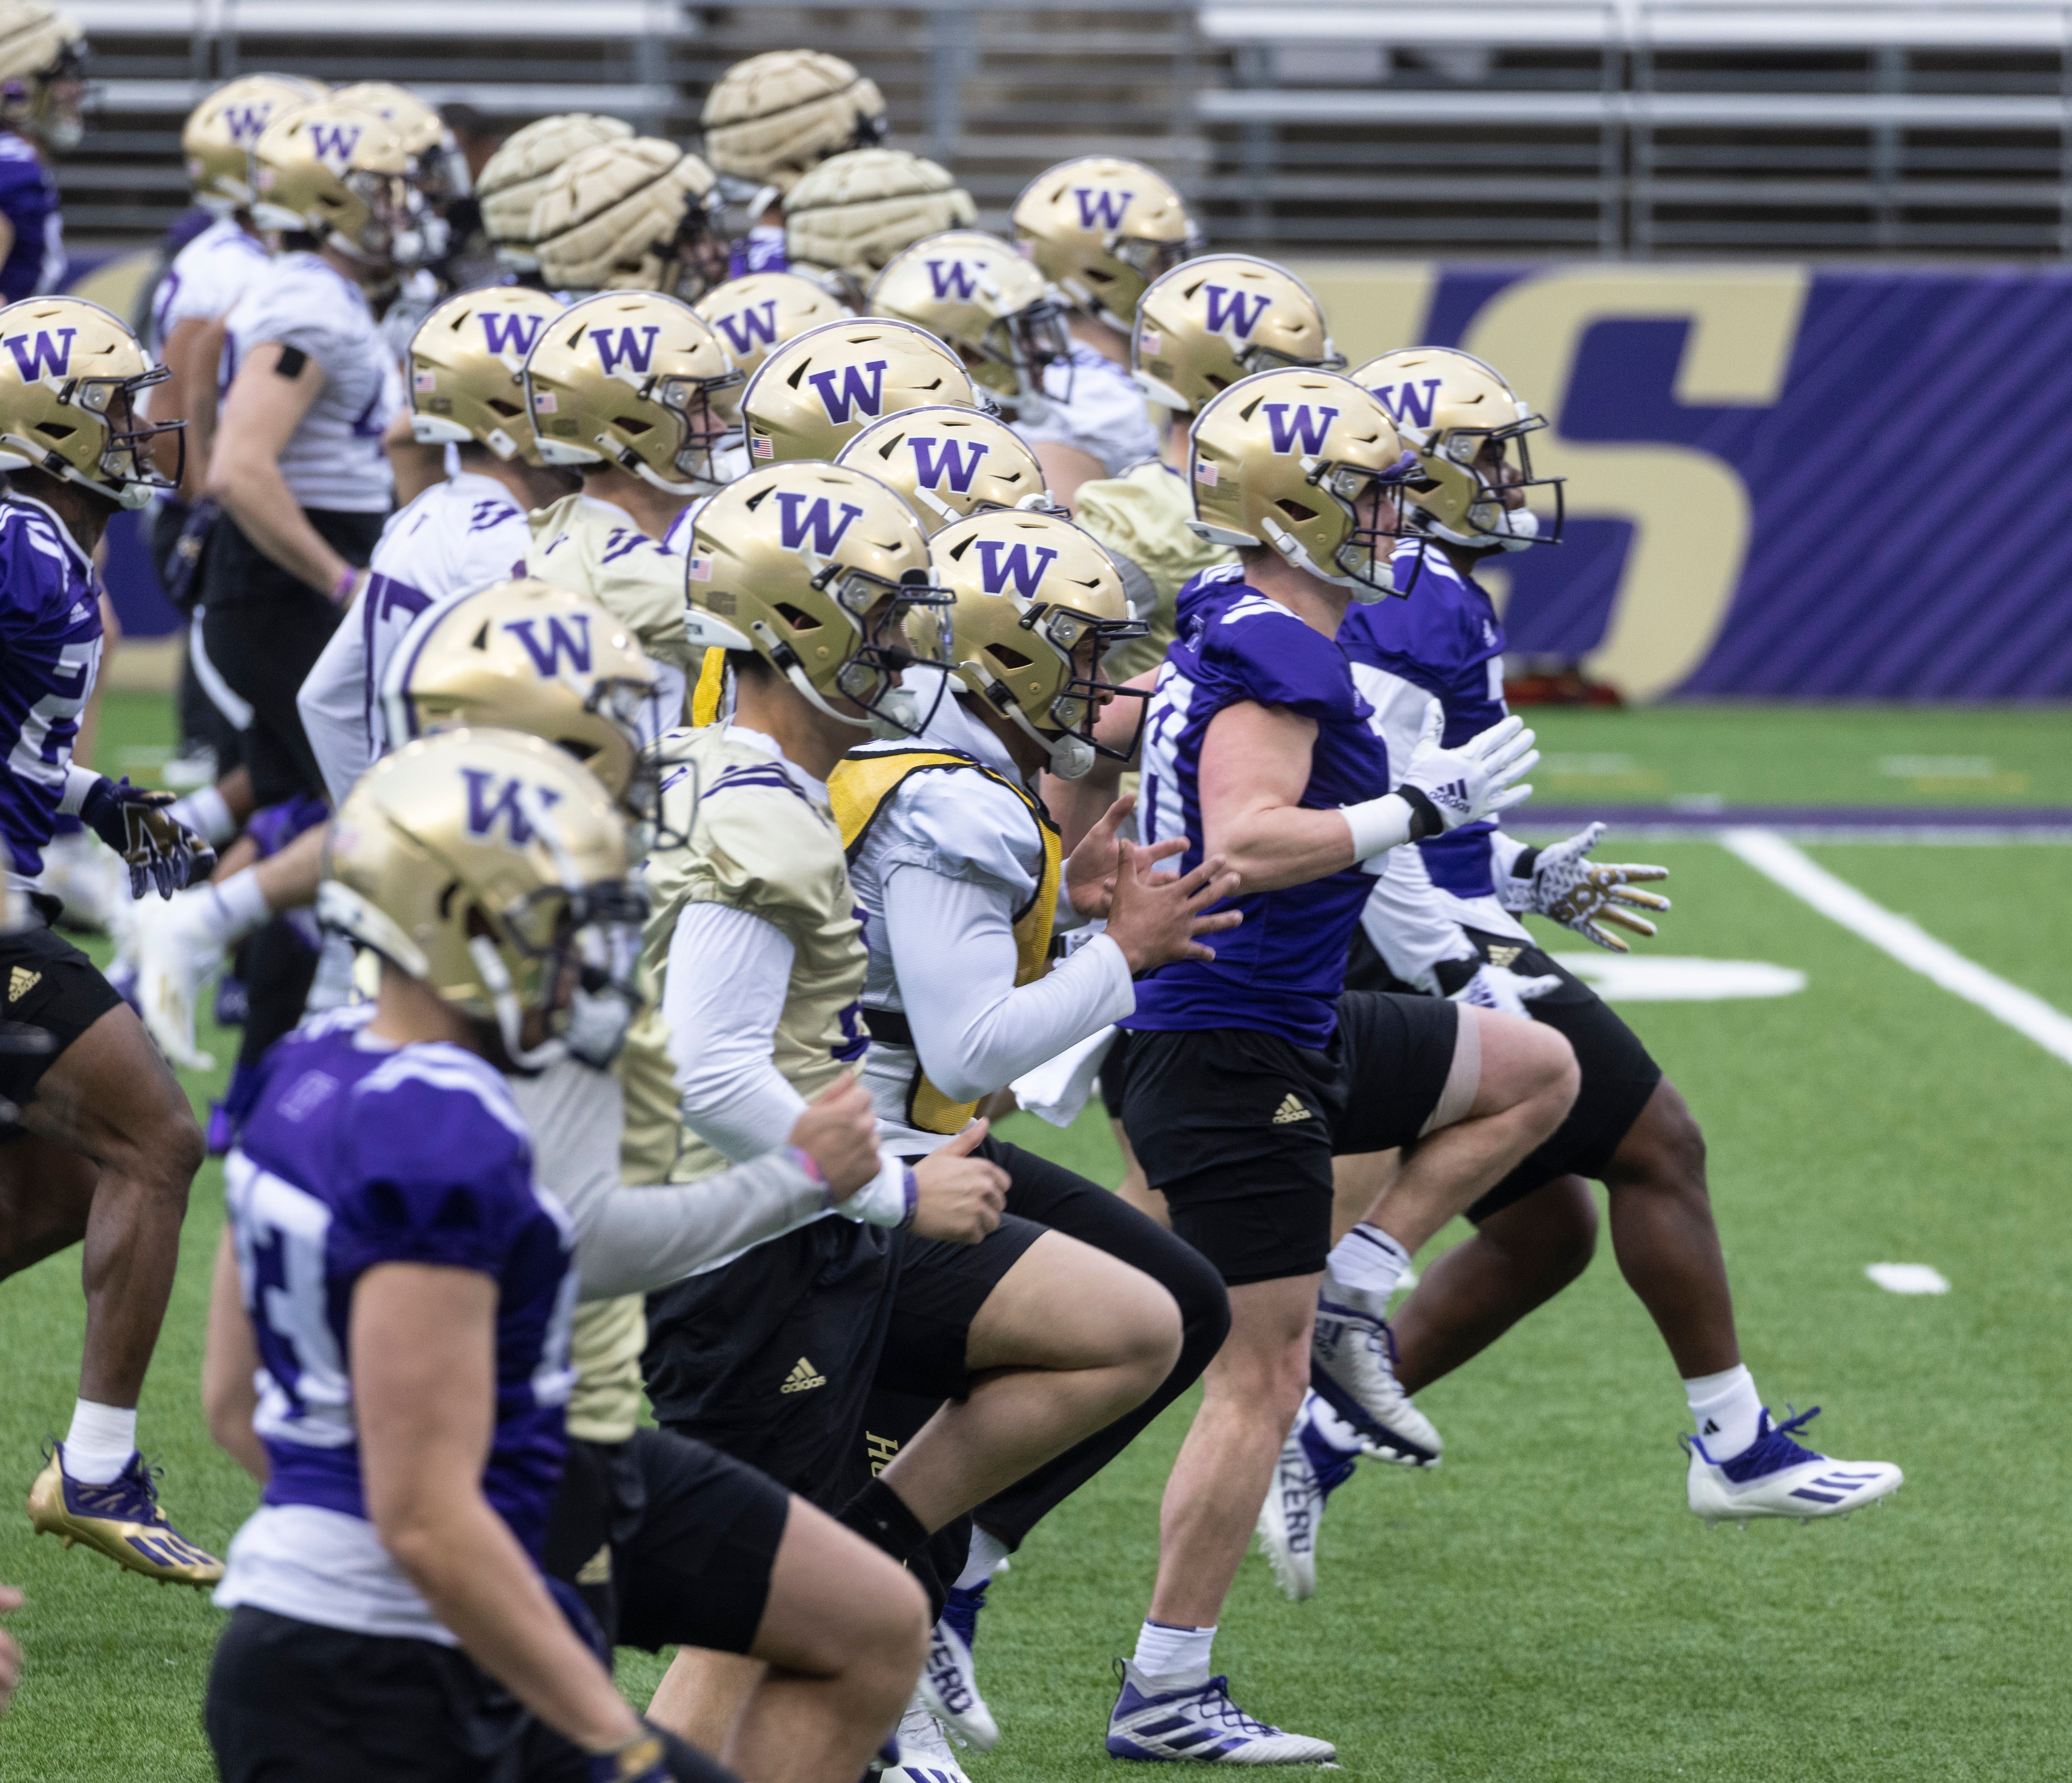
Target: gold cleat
{"type": "Point", "coordinates": [122, 1520]}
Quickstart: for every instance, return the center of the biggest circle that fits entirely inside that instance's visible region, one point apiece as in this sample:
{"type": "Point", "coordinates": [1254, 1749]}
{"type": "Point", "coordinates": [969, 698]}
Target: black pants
{"type": "Point", "coordinates": [1061, 1199]}
{"type": "Point", "coordinates": [263, 630]}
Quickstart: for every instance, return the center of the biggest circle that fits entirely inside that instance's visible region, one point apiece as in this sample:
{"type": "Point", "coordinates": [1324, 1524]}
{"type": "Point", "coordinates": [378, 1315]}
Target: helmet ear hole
{"type": "Point", "coordinates": [796, 618]}
{"type": "Point", "coordinates": [632, 424]}
{"type": "Point", "coordinates": [1295, 510]}
{"type": "Point", "coordinates": [1007, 656]}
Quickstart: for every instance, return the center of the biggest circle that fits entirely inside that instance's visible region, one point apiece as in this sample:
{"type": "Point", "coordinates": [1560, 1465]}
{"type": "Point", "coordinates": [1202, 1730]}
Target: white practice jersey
{"type": "Point", "coordinates": [206, 276]}
{"type": "Point", "coordinates": [333, 459]}
{"type": "Point", "coordinates": [1095, 406]}
{"type": "Point", "coordinates": [459, 536]}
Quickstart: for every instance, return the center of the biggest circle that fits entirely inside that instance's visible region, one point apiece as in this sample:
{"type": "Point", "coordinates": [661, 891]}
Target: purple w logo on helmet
{"type": "Point", "coordinates": [855, 395]}
{"type": "Point", "coordinates": [1001, 563]}
{"type": "Point", "coordinates": [1100, 206]}
{"type": "Point", "coordinates": [748, 328]}
{"type": "Point", "coordinates": [819, 520]}
{"type": "Point", "coordinates": [1404, 404]}
{"type": "Point", "coordinates": [935, 460]}
{"type": "Point", "coordinates": [487, 802]}
{"type": "Point", "coordinates": [334, 141]}
{"type": "Point", "coordinates": [34, 354]}
{"type": "Point", "coordinates": [951, 278]}
{"type": "Point", "coordinates": [506, 333]}
{"type": "Point", "coordinates": [572, 636]}
{"type": "Point", "coordinates": [246, 122]}
{"type": "Point", "coordinates": [624, 348]}
{"type": "Point", "coordinates": [1296, 424]}
{"type": "Point", "coordinates": [1237, 311]}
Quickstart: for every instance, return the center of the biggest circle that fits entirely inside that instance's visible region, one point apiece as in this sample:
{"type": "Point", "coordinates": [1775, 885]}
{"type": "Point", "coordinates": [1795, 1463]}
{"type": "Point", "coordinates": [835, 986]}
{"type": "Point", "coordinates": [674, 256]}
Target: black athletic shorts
{"type": "Point", "coordinates": [1238, 1129]}
{"type": "Point", "coordinates": [47, 984]}
{"type": "Point", "coordinates": [1618, 1073]}
{"type": "Point", "coordinates": [667, 1541]}
{"type": "Point", "coordinates": [771, 1360]}
{"type": "Point", "coordinates": [264, 629]}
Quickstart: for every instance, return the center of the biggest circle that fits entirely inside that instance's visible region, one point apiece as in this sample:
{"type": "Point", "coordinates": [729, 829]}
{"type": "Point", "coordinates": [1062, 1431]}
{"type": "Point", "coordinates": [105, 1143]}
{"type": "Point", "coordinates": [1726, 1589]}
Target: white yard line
{"type": "Point", "coordinates": [1905, 940]}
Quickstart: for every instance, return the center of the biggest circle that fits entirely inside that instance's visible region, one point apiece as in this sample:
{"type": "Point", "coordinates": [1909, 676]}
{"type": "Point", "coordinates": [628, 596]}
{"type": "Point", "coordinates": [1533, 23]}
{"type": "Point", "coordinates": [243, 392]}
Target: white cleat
{"type": "Point", "coordinates": [924, 1753]}
{"type": "Point", "coordinates": [1198, 1723]}
{"type": "Point", "coordinates": [176, 955]}
{"type": "Point", "coordinates": [1308, 1471]}
{"type": "Point", "coordinates": [949, 1685]}
{"type": "Point", "coordinates": [1352, 1368]}
{"type": "Point", "coordinates": [1775, 1476]}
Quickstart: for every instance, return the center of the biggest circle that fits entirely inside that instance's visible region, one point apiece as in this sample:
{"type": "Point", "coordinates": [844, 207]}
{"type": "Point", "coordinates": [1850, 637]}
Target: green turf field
{"type": "Point", "coordinates": [1542, 1606]}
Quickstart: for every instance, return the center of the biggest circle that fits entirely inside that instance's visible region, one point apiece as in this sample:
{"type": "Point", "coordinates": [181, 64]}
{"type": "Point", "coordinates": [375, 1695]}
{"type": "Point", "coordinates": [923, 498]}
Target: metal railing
{"type": "Point", "coordinates": [1519, 128]}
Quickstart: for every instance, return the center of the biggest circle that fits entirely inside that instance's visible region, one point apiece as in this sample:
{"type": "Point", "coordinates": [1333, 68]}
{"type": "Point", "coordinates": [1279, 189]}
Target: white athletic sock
{"type": "Point", "coordinates": [205, 812]}
{"type": "Point", "coordinates": [100, 1441]}
{"type": "Point", "coordinates": [986, 1552]}
{"type": "Point", "coordinates": [1367, 1260]}
{"type": "Point", "coordinates": [1726, 1407]}
{"type": "Point", "coordinates": [234, 908]}
{"type": "Point", "coordinates": [1173, 1657]}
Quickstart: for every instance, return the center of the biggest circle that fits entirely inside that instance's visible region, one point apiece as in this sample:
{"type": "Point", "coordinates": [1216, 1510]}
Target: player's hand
{"type": "Point", "coordinates": [10, 1649]}
{"type": "Point", "coordinates": [656, 1756]}
{"type": "Point", "coordinates": [1155, 919]}
{"type": "Point", "coordinates": [1500, 988]}
{"type": "Point", "coordinates": [959, 1198]}
{"type": "Point", "coordinates": [1585, 895]}
{"type": "Point", "coordinates": [1478, 778]}
{"type": "Point", "coordinates": [163, 854]}
{"type": "Point", "coordinates": [839, 1132]}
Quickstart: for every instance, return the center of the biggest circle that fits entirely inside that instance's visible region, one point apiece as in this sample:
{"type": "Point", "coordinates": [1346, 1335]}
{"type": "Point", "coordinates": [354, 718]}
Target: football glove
{"type": "Point", "coordinates": [1560, 883]}
{"type": "Point", "coordinates": [657, 1756]}
{"type": "Point", "coordinates": [163, 854]}
{"type": "Point", "coordinates": [1500, 988]}
{"type": "Point", "coordinates": [1475, 780]}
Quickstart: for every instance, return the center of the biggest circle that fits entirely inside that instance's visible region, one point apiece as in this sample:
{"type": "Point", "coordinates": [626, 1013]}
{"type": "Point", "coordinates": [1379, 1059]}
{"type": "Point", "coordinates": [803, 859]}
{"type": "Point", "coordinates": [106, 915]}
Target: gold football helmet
{"type": "Point", "coordinates": [1038, 604]}
{"type": "Point", "coordinates": [813, 395]}
{"type": "Point", "coordinates": [528, 655]}
{"type": "Point", "coordinates": [70, 375]}
{"type": "Point", "coordinates": [769, 119]}
{"type": "Point", "coordinates": [466, 361]}
{"type": "Point", "coordinates": [514, 177]}
{"type": "Point", "coordinates": [1463, 421]}
{"type": "Point", "coordinates": [638, 215]}
{"type": "Point", "coordinates": [762, 311]}
{"type": "Point", "coordinates": [441, 167]}
{"type": "Point", "coordinates": [975, 292]}
{"type": "Point", "coordinates": [341, 173]}
{"type": "Point", "coordinates": [489, 866]}
{"type": "Point", "coordinates": [951, 462]}
{"type": "Point", "coordinates": [1101, 230]}
{"type": "Point", "coordinates": [42, 69]}
{"type": "Point", "coordinates": [635, 379]}
{"type": "Point", "coordinates": [1308, 463]}
{"type": "Point", "coordinates": [1219, 318]}
{"type": "Point", "coordinates": [219, 132]}
{"type": "Point", "coordinates": [822, 572]}
{"type": "Point", "coordinates": [848, 217]}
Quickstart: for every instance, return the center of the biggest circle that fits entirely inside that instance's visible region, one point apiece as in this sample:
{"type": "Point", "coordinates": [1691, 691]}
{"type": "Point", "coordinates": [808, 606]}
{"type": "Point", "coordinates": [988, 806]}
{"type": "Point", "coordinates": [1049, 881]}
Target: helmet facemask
{"type": "Point", "coordinates": [1067, 736]}
{"type": "Point", "coordinates": [1018, 352]}
{"type": "Point", "coordinates": [1360, 564]}
{"type": "Point", "coordinates": [709, 419]}
{"type": "Point", "coordinates": [1467, 491]}
{"type": "Point", "coordinates": [901, 626]}
{"type": "Point", "coordinates": [127, 474]}
{"type": "Point", "coordinates": [576, 949]}
{"type": "Point", "coordinates": [49, 104]}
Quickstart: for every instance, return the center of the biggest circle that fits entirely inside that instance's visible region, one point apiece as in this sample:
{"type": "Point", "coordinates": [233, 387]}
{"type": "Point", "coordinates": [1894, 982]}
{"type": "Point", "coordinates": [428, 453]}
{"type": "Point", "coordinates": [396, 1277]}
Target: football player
{"type": "Point", "coordinates": [407, 1291]}
{"type": "Point", "coordinates": [845, 219]}
{"type": "Point", "coordinates": [463, 533]}
{"type": "Point", "coordinates": [667, 1541]}
{"type": "Point", "coordinates": [771, 119]}
{"type": "Point", "coordinates": [633, 214]}
{"type": "Point", "coordinates": [1242, 1076]}
{"type": "Point", "coordinates": [1100, 230]}
{"type": "Point", "coordinates": [756, 314]}
{"type": "Point", "coordinates": [42, 85]}
{"type": "Point", "coordinates": [511, 183]}
{"type": "Point", "coordinates": [964, 885]}
{"type": "Point", "coordinates": [98, 1144]}
{"type": "Point", "coordinates": [1535, 1230]}
{"type": "Point", "coordinates": [816, 581]}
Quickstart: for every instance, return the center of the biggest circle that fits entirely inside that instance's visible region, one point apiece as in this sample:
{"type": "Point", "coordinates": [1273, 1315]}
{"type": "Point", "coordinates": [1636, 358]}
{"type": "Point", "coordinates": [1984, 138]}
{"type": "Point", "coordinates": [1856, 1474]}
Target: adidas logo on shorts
{"type": "Point", "coordinates": [1291, 1110]}
{"type": "Point", "coordinates": [20, 982]}
{"type": "Point", "coordinates": [802, 1378]}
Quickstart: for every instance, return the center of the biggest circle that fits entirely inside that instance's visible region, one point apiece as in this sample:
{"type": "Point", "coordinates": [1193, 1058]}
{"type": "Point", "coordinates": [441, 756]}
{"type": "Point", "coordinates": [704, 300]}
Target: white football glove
{"type": "Point", "coordinates": [1500, 988]}
{"type": "Point", "coordinates": [1582, 894]}
{"type": "Point", "coordinates": [1475, 780]}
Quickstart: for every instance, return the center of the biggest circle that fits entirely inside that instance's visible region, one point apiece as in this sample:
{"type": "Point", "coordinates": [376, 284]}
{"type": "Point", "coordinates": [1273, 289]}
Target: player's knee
{"type": "Point", "coordinates": [1664, 1150]}
{"type": "Point", "coordinates": [1549, 1068]}
{"type": "Point", "coordinates": [1148, 1329]}
{"type": "Point", "coordinates": [1203, 1302]}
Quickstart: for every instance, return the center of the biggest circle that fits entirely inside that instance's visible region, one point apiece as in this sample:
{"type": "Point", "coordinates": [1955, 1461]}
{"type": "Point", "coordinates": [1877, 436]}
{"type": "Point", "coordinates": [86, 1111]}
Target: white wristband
{"type": "Point", "coordinates": [1378, 824]}
{"type": "Point", "coordinates": [882, 1201]}
{"type": "Point", "coordinates": [79, 783]}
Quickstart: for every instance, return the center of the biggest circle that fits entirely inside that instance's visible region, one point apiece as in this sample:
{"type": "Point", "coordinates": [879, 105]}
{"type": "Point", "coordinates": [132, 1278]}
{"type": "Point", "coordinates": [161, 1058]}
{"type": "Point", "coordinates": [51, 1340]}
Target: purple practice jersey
{"type": "Point", "coordinates": [761, 250]}
{"type": "Point", "coordinates": [50, 652]}
{"type": "Point", "coordinates": [1281, 970]}
{"type": "Point", "coordinates": [1444, 642]}
{"type": "Point", "coordinates": [29, 201]}
{"type": "Point", "coordinates": [359, 1153]}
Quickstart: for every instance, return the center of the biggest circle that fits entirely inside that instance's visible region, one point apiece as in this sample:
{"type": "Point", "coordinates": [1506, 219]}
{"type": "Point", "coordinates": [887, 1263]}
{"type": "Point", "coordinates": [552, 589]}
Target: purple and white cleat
{"type": "Point", "coordinates": [1775, 1476]}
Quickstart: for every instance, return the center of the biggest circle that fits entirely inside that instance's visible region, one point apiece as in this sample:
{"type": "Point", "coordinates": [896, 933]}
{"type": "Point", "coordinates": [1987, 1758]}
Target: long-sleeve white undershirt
{"type": "Point", "coordinates": [729, 973]}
